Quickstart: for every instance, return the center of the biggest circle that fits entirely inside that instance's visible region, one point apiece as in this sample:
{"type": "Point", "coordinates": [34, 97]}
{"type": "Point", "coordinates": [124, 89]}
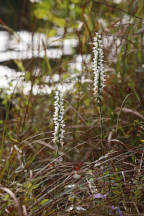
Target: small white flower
{"type": "Point", "coordinates": [79, 208]}
{"type": "Point", "coordinates": [97, 67]}
{"type": "Point", "coordinates": [70, 208]}
{"type": "Point", "coordinates": [76, 175]}
{"type": "Point", "coordinates": [70, 186]}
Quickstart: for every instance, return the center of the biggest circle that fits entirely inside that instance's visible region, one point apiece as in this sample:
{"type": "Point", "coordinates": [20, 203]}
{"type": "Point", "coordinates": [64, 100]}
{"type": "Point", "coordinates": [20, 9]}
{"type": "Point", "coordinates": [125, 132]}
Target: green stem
{"type": "Point", "coordinates": [101, 126]}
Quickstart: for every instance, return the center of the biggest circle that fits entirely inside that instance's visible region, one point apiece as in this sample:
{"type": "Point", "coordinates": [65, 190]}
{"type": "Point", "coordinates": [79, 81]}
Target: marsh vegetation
{"type": "Point", "coordinates": [72, 108]}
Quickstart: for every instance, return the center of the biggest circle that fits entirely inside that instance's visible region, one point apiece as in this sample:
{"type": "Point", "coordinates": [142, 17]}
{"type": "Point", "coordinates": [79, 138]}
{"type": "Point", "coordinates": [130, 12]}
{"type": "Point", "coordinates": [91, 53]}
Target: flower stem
{"type": "Point", "coordinates": [101, 126]}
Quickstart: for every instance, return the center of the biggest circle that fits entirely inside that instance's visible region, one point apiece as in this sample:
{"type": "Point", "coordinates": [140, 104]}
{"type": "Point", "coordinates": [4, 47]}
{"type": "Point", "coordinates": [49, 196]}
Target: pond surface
{"type": "Point", "coordinates": [24, 45]}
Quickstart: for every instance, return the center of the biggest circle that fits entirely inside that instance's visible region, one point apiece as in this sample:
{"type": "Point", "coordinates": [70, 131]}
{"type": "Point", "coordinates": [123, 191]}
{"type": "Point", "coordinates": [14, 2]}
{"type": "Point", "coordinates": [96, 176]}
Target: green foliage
{"type": "Point", "coordinates": [45, 10]}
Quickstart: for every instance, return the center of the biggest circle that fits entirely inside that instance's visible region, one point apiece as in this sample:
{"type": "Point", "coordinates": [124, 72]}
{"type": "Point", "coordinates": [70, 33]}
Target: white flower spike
{"type": "Point", "coordinates": [58, 119]}
{"type": "Point", "coordinates": [97, 67]}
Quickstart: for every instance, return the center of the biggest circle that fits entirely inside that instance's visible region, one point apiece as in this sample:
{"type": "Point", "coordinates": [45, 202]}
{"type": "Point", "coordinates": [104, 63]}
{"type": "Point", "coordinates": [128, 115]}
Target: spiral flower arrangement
{"type": "Point", "coordinates": [58, 120]}
{"type": "Point", "coordinates": [97, 67]}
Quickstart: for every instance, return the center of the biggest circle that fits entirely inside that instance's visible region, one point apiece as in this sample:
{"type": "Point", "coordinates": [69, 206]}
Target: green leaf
{"type": "Point", "coordinates": [6, 197]}
{"type": "Point", "coordinates": [75, 1]}
{"type": "Point", "coordinates": [87, 102]}
{"type": "Point", "coordinates": [66, 76]}
{"type": "Point", "coordinates": [27, 76]}
{"type": "Point", "coordinates": [10, 84]}
{"type": "Point", "coordinates": [19, 65]}
{"type": "Point", "coordinates": [51, 33]}
{"type": "Point", "coordinates": [59, 21]}
{"type": "Point", "coordinates": [44, 202]}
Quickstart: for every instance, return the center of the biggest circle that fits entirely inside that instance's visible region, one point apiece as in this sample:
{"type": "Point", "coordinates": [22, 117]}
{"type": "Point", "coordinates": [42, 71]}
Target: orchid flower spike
{"type": "Point", "coordinates": [97, 67]}
{"type": "Point", "coordinates": [58, 119]}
